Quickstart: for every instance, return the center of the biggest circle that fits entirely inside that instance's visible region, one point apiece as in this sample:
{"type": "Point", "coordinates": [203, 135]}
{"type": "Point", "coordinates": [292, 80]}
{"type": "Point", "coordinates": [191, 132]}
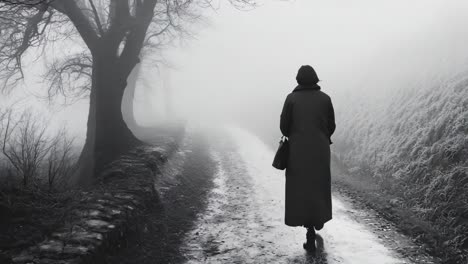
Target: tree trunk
{"type": "Point", "coordinates": [113, 137]}
{"type": "Point", "coordinates": [84, 174]}
{"type": "Point", "coordinates": [108, 136]}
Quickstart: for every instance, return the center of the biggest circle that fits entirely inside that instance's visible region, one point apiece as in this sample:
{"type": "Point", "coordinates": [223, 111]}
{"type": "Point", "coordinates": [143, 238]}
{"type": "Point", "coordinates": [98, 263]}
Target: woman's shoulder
{"type": "Point", "coordinates": [324, 95]}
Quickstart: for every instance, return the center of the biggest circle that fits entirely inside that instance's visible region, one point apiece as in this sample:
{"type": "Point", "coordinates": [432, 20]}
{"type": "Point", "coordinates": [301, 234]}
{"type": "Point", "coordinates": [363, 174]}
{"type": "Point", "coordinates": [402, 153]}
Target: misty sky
{"type": "Point", "coordinates": [246, 61]}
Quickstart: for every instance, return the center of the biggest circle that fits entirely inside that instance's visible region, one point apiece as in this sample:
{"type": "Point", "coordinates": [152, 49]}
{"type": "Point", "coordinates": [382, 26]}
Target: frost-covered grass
{"type": "Point", "coordinates": [415, 142]}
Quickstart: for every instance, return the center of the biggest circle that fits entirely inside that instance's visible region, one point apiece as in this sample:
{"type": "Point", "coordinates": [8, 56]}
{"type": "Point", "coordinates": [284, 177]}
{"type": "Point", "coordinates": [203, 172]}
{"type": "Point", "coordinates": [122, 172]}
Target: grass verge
{"type": "Point", "coordinates": [388, 203]}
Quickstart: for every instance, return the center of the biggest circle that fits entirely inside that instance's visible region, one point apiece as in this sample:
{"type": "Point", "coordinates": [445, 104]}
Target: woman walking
{"type": "Point", "coordinates": [308, 120]}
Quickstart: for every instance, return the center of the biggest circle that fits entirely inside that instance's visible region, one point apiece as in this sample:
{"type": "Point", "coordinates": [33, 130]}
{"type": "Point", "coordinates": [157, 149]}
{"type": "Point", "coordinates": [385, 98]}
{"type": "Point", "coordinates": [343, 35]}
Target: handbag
{"type": "Point", "coordinates": [280, 161]}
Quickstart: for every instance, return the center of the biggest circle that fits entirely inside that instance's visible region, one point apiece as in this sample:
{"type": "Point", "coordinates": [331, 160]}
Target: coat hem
{"type": "Point", "coordinates": [302, 224]}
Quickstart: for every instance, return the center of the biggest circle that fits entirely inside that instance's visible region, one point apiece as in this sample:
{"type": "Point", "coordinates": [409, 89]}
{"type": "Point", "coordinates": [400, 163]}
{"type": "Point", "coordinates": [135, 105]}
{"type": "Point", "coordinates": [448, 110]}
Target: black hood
{"type": "Point", "coordinates": [307, 76]}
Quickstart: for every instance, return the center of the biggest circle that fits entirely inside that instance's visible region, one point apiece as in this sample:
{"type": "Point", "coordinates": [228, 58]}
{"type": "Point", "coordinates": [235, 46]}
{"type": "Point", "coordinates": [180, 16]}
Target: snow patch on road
{"type": "Point", "coordinates": [345, 240]}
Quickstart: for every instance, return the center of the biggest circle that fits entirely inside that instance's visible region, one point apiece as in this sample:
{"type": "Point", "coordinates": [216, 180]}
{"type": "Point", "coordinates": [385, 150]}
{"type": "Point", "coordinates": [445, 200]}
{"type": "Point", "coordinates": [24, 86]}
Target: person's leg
{"type": "Point", "coordinates": [310, 243]}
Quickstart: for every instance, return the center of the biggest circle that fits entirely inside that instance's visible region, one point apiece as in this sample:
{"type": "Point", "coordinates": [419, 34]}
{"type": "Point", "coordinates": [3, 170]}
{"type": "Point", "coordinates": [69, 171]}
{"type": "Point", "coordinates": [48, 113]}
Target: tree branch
{"type": "Point", "coordinates": [30, 32]}
{"type": "Point", "coordinates": [70, 77]}
{"type": "Point", "coordinates": [97, 20]}
{"type": "Point", "coordinates": [120, 23]}
{"type": "Point", "coordinates": [79, 20]}
{"type": "Point", "coordinates": [144, 13]}
{"type": "Point", "coordinates": [21, 27]}
{"type": "Point", "coordinates": [29, 3]}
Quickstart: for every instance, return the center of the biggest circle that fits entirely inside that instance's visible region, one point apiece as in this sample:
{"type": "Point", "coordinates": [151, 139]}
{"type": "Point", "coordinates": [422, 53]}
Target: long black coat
{"type": "Point", "coordinates": [308, 120]}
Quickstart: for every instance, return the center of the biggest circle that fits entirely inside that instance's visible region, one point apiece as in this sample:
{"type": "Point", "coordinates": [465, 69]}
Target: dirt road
{"type": "Point", "coordinates": [221, 201]}
{"type": "Point", "coordinates": [243, 220]}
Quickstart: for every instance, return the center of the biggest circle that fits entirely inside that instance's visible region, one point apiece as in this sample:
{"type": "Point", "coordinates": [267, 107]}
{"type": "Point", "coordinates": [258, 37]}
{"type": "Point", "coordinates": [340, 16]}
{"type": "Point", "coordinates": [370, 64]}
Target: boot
{"type": "Point", "coordinates": [310, 244]}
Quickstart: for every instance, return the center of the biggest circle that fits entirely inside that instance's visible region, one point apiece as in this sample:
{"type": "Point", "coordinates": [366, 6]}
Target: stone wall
{"type": "Point", "coordinates": [101, 218]}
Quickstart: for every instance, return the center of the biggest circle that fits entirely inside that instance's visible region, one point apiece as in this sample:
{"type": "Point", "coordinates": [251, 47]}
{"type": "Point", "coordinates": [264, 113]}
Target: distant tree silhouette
{"type": "Point", "coordinates": [113, 34]}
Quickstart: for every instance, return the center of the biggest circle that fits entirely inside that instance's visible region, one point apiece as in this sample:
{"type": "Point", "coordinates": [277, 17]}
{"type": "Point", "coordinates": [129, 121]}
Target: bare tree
{"type": "Point", "coordinates": [25, 144]}
{"type": "Point", "coordinates": [113, 34]}
{"type": "Point", "coordinates": [60, 160]}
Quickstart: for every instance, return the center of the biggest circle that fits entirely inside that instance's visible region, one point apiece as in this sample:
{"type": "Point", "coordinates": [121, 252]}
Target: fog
{"type": "Point", "coordinates": [240, 65]}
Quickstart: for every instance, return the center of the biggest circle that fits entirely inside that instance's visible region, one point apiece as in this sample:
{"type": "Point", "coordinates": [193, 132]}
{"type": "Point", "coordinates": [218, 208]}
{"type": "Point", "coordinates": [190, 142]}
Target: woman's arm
{"type": "Point", "coordinates": [286, 114]}
{"type": "Point", "coordinates": [331, 120]}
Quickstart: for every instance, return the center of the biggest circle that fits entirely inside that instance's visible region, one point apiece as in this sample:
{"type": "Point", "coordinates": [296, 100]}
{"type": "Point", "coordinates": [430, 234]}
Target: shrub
{"type": "Point", "coordinates": [33, 153]}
